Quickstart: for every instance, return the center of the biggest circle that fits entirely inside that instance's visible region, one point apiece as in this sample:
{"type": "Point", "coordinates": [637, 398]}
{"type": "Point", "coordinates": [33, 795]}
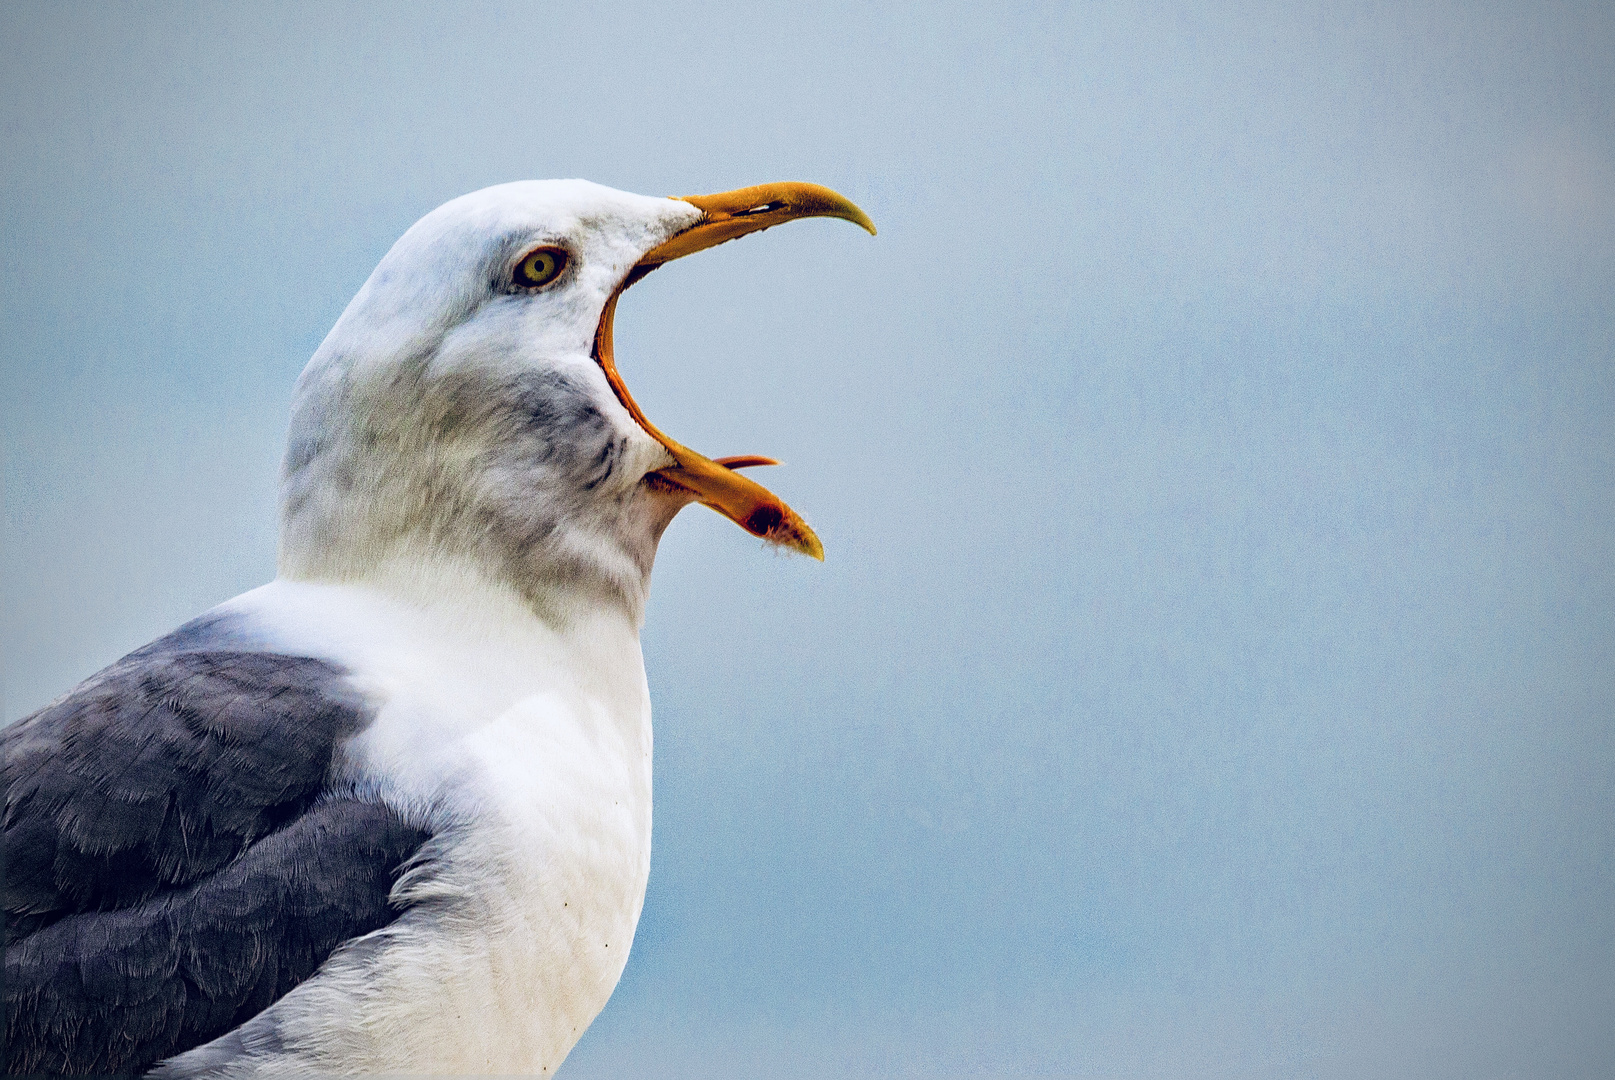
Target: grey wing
{"type": "Point", "coordinates": [173, 860]}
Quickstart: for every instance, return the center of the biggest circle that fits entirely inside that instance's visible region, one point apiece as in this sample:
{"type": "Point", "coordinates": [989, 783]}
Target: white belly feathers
{"type": "Point", "coordinates": [527, 750]}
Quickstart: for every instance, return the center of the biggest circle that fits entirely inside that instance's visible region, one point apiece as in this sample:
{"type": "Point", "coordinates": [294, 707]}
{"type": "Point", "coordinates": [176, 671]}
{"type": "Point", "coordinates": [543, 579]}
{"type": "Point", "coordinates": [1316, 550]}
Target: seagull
{"type": "Point", "coordinates": [391, 812]}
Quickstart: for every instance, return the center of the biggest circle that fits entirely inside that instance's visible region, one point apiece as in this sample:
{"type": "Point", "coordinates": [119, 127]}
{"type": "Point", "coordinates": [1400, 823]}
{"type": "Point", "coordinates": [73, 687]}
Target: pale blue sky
{"type": "Point", "coordinates": [1213, 671]}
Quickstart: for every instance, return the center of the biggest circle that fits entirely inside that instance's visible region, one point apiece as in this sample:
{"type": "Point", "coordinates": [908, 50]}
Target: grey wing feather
{"type": "Point", "coordinates": [173, 861]}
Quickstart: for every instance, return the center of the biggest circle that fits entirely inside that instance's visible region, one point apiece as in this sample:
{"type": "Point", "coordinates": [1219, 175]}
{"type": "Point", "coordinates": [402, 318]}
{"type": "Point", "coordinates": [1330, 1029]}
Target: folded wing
{"type": "Point", "coordinates": [175, 858]}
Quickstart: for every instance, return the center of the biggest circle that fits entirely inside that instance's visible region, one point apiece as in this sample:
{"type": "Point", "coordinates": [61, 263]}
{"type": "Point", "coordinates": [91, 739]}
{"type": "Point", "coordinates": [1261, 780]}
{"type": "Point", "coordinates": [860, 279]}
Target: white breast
{"type": "Point", "coordinates": [527, 749]}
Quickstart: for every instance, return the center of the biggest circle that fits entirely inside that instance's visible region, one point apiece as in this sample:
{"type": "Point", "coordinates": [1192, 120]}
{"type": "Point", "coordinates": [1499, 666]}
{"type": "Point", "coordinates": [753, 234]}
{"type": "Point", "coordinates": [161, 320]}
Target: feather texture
{"type": "Point", "coordinates": [173, 860]}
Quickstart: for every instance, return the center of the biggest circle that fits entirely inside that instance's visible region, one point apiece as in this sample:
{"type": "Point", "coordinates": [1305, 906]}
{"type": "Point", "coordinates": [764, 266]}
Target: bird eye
{"type": "Point", "coordinates": [540, 267]}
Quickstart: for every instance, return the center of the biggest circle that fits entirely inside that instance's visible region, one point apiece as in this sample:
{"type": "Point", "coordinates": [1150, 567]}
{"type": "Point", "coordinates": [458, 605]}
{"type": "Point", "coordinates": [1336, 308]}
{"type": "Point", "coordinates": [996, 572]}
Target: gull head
{"type": "Point", "coordinates": [466, 409]}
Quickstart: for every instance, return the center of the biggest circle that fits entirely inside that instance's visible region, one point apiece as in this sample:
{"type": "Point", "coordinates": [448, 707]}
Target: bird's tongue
{"type": "Point", "coordinates": [715, 482]}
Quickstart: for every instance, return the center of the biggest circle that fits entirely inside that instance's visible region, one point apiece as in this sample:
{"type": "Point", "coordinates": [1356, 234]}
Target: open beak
{"type": "Point", "coordinates": [715, 482]}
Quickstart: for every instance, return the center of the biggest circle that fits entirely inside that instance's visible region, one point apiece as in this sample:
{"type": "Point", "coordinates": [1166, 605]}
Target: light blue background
{"type": "Point", "coordinates": [1213, 672]}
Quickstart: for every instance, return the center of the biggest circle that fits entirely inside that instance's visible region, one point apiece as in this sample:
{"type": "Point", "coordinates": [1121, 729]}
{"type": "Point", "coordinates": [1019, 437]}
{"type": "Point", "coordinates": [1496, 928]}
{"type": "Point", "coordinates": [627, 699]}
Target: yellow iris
{"type": "Point", "coordinates": [540, 267]}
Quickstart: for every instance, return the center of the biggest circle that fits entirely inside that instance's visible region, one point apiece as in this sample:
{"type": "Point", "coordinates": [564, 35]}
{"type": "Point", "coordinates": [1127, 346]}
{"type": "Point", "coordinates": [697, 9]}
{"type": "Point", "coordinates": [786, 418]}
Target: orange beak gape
{"type": "Point", "coordinates": [715, 482]}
